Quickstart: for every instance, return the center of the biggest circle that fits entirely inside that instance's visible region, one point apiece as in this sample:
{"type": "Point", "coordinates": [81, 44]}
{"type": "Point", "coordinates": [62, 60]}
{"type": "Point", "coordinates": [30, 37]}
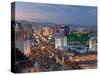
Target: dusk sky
{"type": "Point", "coordinates": [66, 14]}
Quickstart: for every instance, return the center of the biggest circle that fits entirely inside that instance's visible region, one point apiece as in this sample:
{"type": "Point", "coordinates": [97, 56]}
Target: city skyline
{"type": "Point", "coordinates": [51, 37]}
{"type": "Point", "coordinates": [66, 14]}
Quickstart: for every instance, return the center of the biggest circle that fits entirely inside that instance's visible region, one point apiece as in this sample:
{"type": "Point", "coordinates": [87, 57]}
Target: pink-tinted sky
{"type": "Point", "coordinates": [68, 14]}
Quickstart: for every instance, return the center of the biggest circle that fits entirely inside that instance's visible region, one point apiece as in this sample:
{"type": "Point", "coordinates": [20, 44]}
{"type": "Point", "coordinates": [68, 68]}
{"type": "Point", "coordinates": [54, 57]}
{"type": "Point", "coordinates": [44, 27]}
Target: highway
{"type": "Point", "coordinates": [58, 54]}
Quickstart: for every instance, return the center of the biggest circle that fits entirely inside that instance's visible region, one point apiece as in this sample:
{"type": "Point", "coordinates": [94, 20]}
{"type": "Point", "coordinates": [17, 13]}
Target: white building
{"type": "Point", "coordinates": [27, 47]}
{"type": "Point", "coordinates": [58, 43]}
{"type": "Point", "coordinates": [92, 43]}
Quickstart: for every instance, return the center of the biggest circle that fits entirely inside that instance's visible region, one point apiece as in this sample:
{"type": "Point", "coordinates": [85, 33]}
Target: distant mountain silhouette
{"type": "Point", "coordinates": [48, 23]}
